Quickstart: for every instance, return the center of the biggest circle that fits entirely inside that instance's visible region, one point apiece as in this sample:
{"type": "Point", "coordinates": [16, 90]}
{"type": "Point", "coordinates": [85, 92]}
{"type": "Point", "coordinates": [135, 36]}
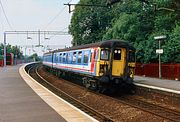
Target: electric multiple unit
{"type": "Point", "coordinates": [101, 64]}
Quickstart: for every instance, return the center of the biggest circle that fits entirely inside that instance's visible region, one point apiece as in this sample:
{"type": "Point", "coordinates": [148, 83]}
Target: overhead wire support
{"type": "Point", "coordinates": [30, 32]}
{"type": "Point", "coordinates": [85, 5]}
{"type": "Point", "coordinates": [54, 18]}
{"type": "Point", "coordinates": [5, 15]}
{"type": "Point", "coordinates": [38, 32]}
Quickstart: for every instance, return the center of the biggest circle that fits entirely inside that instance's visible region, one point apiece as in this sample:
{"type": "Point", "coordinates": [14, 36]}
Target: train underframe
{"type": "Point", "coordinates": [101, 84]}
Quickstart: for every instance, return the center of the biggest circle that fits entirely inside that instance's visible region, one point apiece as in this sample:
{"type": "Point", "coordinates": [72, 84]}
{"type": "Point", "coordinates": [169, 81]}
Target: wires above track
{"type": "Point", "coordinates": [7, 20]}
{"type": "Point", "coordinates": [54, 18]}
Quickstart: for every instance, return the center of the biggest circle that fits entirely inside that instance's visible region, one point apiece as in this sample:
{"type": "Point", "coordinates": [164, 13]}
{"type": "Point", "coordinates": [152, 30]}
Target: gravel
{"type": "Point", "coordinates": [118, 111]}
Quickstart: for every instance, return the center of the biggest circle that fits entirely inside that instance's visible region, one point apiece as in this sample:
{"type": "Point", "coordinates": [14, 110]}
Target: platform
{"type": "Point", "coordinates": [159, 84]}
{"type": "Point", "coordinates": [19, 103]}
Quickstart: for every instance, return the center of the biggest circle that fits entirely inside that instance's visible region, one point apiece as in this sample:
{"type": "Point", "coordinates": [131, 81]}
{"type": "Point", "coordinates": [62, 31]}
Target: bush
{"type": "Point", "coordinates": [1, 57]}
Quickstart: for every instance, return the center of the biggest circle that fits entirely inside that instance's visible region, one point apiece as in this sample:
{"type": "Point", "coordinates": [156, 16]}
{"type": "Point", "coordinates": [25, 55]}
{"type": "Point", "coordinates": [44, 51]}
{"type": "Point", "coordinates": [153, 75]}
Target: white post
{"type": "Point", "coordinates": [4, 49]}
{"type": "Point", "coordinates": [39, 36]}
{"type": "Point", "coordinates": [160, 38]}
{"type": "Point", "coordinates": [159, 59]}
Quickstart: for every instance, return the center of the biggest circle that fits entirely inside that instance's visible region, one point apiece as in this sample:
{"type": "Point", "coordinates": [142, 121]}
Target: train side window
{"type": "Point", "coordinates": [91, 56]}
{"type": "Point", "coordinates": [86, 55]}
{"type": "Point", "coordinates": [69, 58]}
{"type": "Point", "coordinates": [117, 54]}
{"type": "Point", "coordinates": [104, 54]}
{"type": "Point", "coordinates": [64, 57]}
{"type": "Point", "coordinates": [79, 57]}
{"type": "Point", "coordinates": [60, 58]}
{"type": "Point", "coordinates": [74, 58]}
{"type": "Point", "coordinates": [96, 54]}
{"type": "Point", "coordinates": [56, 58]}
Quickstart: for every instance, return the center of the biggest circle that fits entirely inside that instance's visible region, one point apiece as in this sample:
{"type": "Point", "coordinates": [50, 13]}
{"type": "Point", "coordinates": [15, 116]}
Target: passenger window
{"type": "Point", "coordinates": [69, 58]}
{"type": "Point", "coordinates": [117, 54]}
{"type": "Point", "coordinates": [60, 57]}
{"type": "Point", "coordinates": [56, 58]}
{"type": "Point", "coordinates": [96, 54]}
{"type": "Point", "coordinates": [74, 58]}
{"type": "Point", "coordinates": [79, 57]}
{"type": "Point", "coordinates": [104, 54]}
{"type": "Point", "coordinates": [86, 54]}
{"type": "Point", "coordinates": [64, 57]}
{"type": "Point", "coordinates": [91, 56]}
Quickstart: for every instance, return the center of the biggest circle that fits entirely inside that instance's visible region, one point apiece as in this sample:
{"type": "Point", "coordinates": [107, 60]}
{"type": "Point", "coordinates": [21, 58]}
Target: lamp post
{"type": "Point", "coordinates": [21, 55]}
{"type": "Point", "coordinates": [4, 49]}
{"type": "Point", "coordinates": [160, 51]}
{"type": "Point", "coordinates": [16, 55]}
{"type": "Point", "coordinates": [25, 55]}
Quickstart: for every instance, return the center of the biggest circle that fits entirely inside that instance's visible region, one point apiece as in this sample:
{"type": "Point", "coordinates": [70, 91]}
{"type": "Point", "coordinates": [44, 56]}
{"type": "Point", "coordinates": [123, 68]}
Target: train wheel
{"type": "Point", "coordinates": [94, 84]}
{"type": "Point", "coordinates": [86, 82]}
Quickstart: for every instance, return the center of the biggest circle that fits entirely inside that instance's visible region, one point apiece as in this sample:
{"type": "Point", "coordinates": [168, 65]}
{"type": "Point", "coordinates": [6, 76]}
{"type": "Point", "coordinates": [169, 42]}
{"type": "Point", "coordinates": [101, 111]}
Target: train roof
{"type": "Point", "coordinates": [102, 44]}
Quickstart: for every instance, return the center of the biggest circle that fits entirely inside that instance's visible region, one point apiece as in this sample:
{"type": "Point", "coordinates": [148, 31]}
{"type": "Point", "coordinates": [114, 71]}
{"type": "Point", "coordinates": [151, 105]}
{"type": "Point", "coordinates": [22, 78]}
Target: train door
{"type": "Point", "coordinates": [118, 61]}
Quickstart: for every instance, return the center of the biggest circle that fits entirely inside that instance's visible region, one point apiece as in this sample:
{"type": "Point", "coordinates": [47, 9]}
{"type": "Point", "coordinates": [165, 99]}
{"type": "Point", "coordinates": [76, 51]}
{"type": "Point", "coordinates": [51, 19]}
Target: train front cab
{"type": "Point", "coordinates": [116, 64]}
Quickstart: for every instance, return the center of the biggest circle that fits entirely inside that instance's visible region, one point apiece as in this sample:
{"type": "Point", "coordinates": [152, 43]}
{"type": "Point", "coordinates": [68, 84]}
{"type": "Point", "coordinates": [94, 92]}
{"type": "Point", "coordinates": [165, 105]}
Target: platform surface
{"type": "Point", "coordinates": [63, 108]}
{"type": "Point", "coordinates": [161, 83]}
{"type": "Point", "coordinates": [19, 103]}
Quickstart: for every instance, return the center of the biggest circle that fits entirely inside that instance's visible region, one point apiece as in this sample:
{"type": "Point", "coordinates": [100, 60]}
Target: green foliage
{"type": "Point", "coordinates": [172, 47]}
{"type": "Point", "coordinates": [1, 57]}
{"type": "Point", "coordinates": [133, 21]}
{"type": "Point", "coordinates": [88, 24]}
{"type": "Point", "coordinates": [35, 57]}
{"type": "Point", "coordinates": [10, 49]}
{"type": "Point", "coordinates": [124, 28]}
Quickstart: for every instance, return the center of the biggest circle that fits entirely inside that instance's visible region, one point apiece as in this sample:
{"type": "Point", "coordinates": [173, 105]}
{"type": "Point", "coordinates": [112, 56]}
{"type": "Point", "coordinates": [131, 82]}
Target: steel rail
{"type": "Point", "coordinates": [152, 108]}
{"type": "Point", "coordinates": [92, 112]}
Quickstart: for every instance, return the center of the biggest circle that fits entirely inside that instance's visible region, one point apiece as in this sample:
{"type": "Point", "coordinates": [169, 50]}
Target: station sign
{"type": "Point", "coordinates": [160, 37]}
{"type": "Point", "coordinates": [159, 51]}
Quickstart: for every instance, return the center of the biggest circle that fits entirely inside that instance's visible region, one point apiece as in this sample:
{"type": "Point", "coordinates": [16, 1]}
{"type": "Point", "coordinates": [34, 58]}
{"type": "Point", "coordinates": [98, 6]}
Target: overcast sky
{"type": "Point", "coordinates": [33, 15]}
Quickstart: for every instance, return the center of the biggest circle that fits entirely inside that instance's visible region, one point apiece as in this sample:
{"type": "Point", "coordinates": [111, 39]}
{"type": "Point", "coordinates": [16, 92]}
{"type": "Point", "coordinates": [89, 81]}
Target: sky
{"type": "Point", "coordinates": [34, 15]}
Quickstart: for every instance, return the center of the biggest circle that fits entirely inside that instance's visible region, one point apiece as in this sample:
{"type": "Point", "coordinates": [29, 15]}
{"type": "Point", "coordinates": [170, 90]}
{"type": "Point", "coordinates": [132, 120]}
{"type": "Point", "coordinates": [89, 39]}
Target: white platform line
{"type": "Point", "coordinates": [158, 88]}
{"type": "Point", "coordinates": [26, 77]}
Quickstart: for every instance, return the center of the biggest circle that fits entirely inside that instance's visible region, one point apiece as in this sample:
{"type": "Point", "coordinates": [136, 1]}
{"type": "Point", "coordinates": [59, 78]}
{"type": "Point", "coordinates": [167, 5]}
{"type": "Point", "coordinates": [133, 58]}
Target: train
{"type": "Point", "coordinates": [103, 65]}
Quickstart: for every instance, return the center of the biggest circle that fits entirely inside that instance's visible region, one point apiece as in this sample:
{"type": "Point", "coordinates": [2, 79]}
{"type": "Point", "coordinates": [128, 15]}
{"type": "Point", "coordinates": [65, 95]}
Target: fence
{"type": "Point", "coordinates": [1, 63]}
{"type": "Point", "coordinates": [15, 62]}
{"type": "Point", "coordinates": [169, 71]}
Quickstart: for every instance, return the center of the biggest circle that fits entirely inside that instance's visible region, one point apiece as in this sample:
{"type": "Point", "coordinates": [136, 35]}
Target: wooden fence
{"type": "Point", "coordinates": [169, 71]}
{"type": "Point", "coordinates": [1, 63]}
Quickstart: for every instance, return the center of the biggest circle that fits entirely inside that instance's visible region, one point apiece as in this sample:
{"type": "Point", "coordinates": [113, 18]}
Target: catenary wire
{"type": "Point", "coordinates": [54, 18]}
{"type": "Point", "coordinates": [5, 15]}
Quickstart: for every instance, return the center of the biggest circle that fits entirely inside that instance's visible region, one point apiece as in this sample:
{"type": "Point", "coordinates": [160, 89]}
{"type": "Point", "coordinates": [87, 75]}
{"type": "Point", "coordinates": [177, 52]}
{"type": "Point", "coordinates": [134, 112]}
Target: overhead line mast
{"type": "Point", "coordinates": [85, 5]}
{"type": "Point", "coordinates": [5, 15]}
{"type": "Point", "coordinates": [30, 32]}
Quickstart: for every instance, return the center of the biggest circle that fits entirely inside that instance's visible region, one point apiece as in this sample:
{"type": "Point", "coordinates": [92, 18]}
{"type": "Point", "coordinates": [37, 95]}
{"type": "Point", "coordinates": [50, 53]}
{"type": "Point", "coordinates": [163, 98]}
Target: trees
{"type": "Point", "coordinates": [35, 57]}
{"type": "Point", "coordinates": [88, 24]}
{"type": "Point", "coordinates": [10, 49]}
{"type": "Point", "coordinates": [134, 21]}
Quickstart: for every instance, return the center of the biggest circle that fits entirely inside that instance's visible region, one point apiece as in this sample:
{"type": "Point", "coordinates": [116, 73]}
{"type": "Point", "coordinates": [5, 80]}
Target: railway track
{"type": "Point", "coordinates": [131, 101]}
{"type": "Point", "coordinates": [154, 109]}
{"type": "Point", "coordinates": [157, 110]}
{"type": "Point", "coordinates": [33, 72]}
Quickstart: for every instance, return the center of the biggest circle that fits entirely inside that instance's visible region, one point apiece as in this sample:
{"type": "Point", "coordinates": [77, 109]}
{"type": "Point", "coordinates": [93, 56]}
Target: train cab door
{"type": "Point", "coordinates": [118, 61]}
